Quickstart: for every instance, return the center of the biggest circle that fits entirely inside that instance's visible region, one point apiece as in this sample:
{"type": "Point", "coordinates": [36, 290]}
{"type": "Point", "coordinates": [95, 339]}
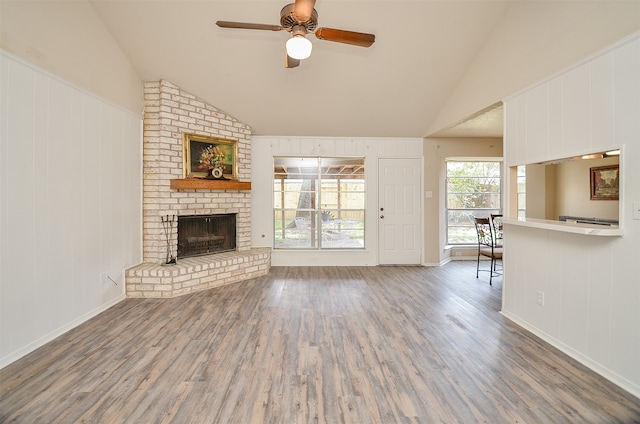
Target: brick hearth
{"type": "Point", "coordinates": [196, 273]}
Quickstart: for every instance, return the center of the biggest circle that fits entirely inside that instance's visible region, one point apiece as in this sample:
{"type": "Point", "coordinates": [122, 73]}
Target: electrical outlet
{"type": "Point", "coordinates": [540, 298]}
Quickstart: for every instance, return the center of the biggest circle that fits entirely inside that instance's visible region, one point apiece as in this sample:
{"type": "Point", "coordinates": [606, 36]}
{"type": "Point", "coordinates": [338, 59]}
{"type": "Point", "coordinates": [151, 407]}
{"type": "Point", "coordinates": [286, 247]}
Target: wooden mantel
{"type": "Point", "coordinates": [204, 184]}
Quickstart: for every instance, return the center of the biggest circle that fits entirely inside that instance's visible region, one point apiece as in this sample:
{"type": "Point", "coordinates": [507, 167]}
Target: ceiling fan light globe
{"type": "Point", "coordinates": [299, 47]}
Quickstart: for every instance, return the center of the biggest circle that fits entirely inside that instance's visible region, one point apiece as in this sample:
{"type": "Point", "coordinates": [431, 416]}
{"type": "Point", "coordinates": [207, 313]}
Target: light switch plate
{"type": "Point", "coordinates": [636, 210]}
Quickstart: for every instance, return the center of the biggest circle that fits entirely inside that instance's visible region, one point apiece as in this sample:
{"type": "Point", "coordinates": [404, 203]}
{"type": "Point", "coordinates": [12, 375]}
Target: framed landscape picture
{"type": "Point", "coordinates": [605, 182]}
{"type": "Point", "coordinates": [209, 157]}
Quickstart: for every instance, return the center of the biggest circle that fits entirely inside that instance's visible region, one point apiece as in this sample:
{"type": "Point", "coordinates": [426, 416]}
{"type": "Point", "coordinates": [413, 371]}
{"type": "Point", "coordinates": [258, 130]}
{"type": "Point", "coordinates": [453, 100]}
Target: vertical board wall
{"type": "Point", "coordinates": [70, 205]}
{"type": "Point", "coordinates": [591, 284]}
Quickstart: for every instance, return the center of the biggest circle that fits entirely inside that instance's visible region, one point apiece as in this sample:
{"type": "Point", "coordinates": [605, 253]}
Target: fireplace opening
{"type": "Point", "coordinates": [206, 234]}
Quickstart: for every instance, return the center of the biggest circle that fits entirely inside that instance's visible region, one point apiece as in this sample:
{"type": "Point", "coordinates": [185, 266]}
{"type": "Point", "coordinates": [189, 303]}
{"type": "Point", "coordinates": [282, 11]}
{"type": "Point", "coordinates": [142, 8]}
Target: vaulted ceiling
{"type": "Point", "coordinates": [394, 88]}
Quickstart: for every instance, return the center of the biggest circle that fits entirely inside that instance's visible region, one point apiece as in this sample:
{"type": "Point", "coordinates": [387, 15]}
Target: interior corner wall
{"type": "Point", "coordinates": [534, 40]}
{"type": "Point", "coordinates": [71, 215]}
{"type": "Point", "coordinates": [436, 151]}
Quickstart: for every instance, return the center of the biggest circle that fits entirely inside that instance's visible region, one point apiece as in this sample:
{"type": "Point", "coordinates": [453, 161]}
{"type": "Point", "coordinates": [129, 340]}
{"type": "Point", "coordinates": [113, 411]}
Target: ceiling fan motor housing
{"type": "Point", "coordinates": [299, 19]}
{"type": "Point", "coordinates": [288, 20]}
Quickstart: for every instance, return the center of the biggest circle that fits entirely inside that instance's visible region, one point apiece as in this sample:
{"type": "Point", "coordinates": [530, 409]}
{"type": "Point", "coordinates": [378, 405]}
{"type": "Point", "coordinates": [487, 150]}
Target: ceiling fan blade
{"type": "Point", "coordinates": [303, 9]}
{"type": "Point", "coordinates": [348, 37]}
{"type": "Point", "coordinates": [290, 62]}
{"type": "Point", "coordinates": [244, 25]}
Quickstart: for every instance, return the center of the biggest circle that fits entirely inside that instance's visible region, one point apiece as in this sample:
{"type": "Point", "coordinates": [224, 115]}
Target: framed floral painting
{"type": "Point", "coordinates": [209, 157]}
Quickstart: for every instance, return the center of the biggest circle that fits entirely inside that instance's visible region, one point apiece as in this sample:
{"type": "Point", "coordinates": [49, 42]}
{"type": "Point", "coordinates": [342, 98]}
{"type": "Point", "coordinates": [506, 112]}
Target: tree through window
{"type": "Point", "coordinates": [319, 203]}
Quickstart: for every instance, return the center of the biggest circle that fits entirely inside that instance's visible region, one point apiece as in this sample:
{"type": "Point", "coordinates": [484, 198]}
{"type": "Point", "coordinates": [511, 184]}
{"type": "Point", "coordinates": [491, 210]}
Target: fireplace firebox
{"type": "Point", "coordinates": [206, 234]}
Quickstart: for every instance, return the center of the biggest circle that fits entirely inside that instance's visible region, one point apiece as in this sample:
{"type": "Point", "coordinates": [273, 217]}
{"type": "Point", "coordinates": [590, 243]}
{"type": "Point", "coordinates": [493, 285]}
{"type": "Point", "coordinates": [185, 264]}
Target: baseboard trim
{"type": "Point", "coordinates": [605, 372]}
{"type": "Point", "coordinates": [25, 350]}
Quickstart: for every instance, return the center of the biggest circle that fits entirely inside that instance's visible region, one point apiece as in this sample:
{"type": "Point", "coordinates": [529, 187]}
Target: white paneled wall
{"type": "Point", "coordinates": [582, 110]}
{"type": "Point", "coordinates": [70, 205]}
{"type": "Point", "coordinates": [591, 284]}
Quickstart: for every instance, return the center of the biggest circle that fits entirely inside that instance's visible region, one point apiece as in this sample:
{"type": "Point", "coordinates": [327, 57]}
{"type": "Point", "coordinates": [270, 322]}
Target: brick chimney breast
{"type": "Point", "coordinates": [168, 113]}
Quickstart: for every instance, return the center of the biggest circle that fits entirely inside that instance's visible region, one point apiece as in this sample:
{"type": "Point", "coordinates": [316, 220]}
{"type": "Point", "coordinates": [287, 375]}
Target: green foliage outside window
{"type": "Point", "coordinates": [473, 189]}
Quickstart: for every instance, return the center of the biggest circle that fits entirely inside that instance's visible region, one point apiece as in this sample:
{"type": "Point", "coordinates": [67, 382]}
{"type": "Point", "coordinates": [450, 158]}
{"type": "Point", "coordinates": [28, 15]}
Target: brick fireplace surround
{"type": "Point", "coordinates": [169, 112]}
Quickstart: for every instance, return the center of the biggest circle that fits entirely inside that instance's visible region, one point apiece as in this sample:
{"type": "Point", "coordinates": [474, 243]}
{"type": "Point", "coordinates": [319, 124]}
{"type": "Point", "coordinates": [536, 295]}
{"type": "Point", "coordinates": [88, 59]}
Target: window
{"type": "Point", "coordinates": [319, 203]}
{"type": "Point", "coordinates": [473, 189]}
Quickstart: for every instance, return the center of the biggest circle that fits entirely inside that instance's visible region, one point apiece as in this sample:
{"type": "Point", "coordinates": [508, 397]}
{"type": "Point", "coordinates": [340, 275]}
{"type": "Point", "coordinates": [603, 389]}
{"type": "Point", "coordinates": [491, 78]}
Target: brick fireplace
{"type": "Point", "coordinates": [170, 112]}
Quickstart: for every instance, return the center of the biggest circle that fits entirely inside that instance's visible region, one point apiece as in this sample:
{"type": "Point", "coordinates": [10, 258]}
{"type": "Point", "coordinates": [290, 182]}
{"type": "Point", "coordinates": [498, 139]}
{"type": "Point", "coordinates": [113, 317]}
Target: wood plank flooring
{"type": "Point", "coordinates": [312, 345]}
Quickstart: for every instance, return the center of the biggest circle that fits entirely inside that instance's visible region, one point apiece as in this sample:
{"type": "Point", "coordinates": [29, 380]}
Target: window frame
{"type": "Point", "coordinates": [473, 212]}
{"type": "Point", "coordinates": [340, 221]}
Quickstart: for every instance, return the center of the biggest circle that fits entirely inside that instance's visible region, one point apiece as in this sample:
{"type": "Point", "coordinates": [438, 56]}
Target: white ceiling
{"type": "Point", "coordinates": [393, 89]}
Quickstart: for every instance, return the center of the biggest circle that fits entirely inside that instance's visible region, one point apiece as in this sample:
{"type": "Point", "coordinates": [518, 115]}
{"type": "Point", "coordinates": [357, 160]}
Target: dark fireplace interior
{"type": "Point", "coordinates": [206, 234]}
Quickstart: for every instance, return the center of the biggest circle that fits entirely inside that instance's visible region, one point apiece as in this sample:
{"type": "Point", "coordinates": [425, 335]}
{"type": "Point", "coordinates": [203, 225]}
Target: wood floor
{"type": "Point", "coordinates": [312, 345]}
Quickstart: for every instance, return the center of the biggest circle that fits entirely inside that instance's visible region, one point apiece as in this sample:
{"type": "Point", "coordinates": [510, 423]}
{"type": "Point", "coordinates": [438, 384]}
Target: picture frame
{"type": "Point", "coordinates": [204, 157]}
{"type": "Point", "coordinates": [605, 182]}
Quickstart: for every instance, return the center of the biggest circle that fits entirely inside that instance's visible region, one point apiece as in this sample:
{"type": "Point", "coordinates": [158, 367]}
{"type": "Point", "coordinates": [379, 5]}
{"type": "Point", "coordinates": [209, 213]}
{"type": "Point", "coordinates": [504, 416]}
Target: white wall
{"type": "Point", "coordinates": [573, 191]}
{"type": "Point", "coordinates": [263, 149]}
{"type": "Point", "coordinates": [533, 40]}
{"type": "Point", "coordinates": [591, 284]}
{"type": "Point", "coordinates": [70, 205]}
{"type": "Point", "coordinates": [540, 191]}
{"type": "Point", "coordinates": [68, 39]}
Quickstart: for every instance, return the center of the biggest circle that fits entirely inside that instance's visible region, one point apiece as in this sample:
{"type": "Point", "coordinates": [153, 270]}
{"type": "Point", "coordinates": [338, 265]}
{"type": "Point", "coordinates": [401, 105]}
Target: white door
{"type": "Point", "coordinates": [399, 211]}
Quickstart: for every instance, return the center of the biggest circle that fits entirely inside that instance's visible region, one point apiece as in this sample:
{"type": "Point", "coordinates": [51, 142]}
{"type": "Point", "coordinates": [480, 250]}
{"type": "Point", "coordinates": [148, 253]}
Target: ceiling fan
{"type": "Point", "coordinates": [300, 18]}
